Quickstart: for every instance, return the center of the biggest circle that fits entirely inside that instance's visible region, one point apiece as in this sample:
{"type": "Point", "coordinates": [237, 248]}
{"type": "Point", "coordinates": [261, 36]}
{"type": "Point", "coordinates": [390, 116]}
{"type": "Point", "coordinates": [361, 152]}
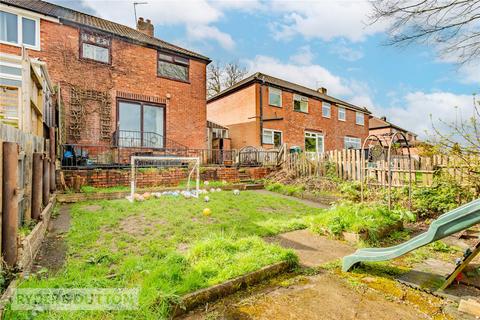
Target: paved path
{"type": "Point", "coordinates": [307, 202]}
{"type": "Point", "coordinates": [312, 249]}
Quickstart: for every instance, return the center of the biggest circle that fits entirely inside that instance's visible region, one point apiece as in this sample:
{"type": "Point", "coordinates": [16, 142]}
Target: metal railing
{"type": "Point", "coordinates": [79, 156]}
{"type": "Point", "coordinates": [144, 139]}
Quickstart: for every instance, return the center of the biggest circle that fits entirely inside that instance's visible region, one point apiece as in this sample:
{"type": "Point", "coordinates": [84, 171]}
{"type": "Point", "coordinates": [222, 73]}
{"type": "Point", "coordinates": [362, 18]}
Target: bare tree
{"type": "Point", "coordinates": [220, 77]}
{"type": "Point", "coordinates": [233, 74]}
{"type": "Point", "coordinates": [451, 25]}
{"type": "Point", "coordinates": [214, 79]}
{"type": "Point", "coordinates": [460, 138]}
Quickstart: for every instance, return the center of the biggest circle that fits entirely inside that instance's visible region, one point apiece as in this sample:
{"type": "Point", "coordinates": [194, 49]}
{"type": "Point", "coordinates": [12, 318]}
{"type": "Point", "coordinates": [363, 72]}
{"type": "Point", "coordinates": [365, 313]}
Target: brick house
{"type": "Point", "coordinates": [120, 87]}
{"type": "Point", "coordinates": [264, 111]}
{"type": "Point", "coordinates": [382, 127]}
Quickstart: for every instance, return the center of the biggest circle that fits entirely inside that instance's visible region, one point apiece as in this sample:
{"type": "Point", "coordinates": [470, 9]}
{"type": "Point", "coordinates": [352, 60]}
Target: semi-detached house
{"type": "Point", "coordinates": [264, 111]}
{"type": "Point", "coordinates": [120, 87]}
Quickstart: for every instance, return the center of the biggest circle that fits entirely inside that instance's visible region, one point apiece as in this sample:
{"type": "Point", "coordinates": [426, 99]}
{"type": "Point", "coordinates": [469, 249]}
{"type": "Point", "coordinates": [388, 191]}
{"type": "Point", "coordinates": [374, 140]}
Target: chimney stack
{"type": "Point", "coordinates": [145, 26]}
{"type": "Point", "coordinates": [384, 118]}
{"type": "Point", "coordinates": [322, 90]}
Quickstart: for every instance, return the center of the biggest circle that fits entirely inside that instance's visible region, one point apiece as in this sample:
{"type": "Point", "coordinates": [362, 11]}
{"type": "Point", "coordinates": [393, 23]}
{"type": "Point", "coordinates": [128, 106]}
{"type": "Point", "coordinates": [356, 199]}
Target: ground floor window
{"type": "Point", "coordinates": [314, 142]}
{"type": "Point", "coordinates": [353, 143]}
{"type": "Point", "coordinates": [141, 124]}
{"type": "Point", "coordinates": [272, 137]}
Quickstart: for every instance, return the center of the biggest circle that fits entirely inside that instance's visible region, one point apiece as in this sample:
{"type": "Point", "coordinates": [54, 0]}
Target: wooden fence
{"type": "Point", "coordinates": [347, 165]}
{"type": "Point", "coordinates": [27, 177]}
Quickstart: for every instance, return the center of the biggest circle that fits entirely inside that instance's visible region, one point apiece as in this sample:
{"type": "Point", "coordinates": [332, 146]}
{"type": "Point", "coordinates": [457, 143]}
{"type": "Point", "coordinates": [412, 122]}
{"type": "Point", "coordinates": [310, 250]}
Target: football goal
{"type": "Point", "coordinates": [143, 165]}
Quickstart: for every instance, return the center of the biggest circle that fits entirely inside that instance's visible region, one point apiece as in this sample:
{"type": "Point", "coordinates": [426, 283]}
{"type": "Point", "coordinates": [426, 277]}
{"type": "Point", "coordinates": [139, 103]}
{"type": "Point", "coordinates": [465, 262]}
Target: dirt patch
{"type": "Point", "coordinates": [139, 225]}
{"type": "Point", "coordinates": [53, 251]}
{"type": "Point", "coordinates": [92, 208]}
{"type": "Point", "coordinates": [311, 248]}
{"type": "Point", "coordinates": [323, 296]}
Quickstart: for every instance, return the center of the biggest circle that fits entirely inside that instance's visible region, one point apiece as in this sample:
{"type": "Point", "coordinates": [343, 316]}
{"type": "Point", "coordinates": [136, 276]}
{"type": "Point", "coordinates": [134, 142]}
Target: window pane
{"type": "Point", "coordinates": [8, 27]}
{"type": "Point", "coordinates": [274, 97]}
{"type": "Point", "coordinates": [174, 71]}
{"type": "Point", "coordinates": [352, 143]}
{"type": "Point", "coordinates": [93, 52]}
{"type": "Point", "coordinates": [129, 124]}
{"type": "Point", "coordinates": [359, 118]}
{"type": "Point", "coordinates": [267, 137]}
{"type": "Point", "coordinates": [166, 57]}
{"type": "Point", "coordinates": [300, 103]}
{"type": "Point", "coordinates": [310, 144]}
{"type": "Point", "coordinates": [153, 126]}
{"type": "Point", "coordinates": [28, 31]}
{"type": "Point", "coordinates": [326, 109]}
{"type": "Point", "coordinates": [277, 139]}
{"type": "Point", "coordinates": [341, 114]}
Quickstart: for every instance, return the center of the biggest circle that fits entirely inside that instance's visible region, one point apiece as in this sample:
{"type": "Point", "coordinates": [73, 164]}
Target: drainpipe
{"type": "Point", "coordinates": [261, 111]}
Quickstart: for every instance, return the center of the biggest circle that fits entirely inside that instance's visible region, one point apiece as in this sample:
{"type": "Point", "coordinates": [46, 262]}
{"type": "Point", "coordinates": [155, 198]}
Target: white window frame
{"type": "Point", "coordinates": [342, 110]}
{"type": "Point", "coordinates": [301, 99]}
{"type": "Point", "coordinates": [357, 114]}
{"type": "Point", "coordinates": [352, 140]}
{"type": "Point", "coordinates": [272, 131]}
{"type": "Point", "coordinates": [275, 91]}
{"type": "Point", "coordinates": [315, 135]}
{"type": "Point", "coordinates": [19, 42]}
{"type": "Point", "coordinates": [326, 106]}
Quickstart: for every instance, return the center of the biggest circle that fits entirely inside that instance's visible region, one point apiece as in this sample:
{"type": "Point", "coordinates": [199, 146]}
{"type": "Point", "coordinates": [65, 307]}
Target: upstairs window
{"type": "Point", "coordinates": [326, 109]}
{"type": "Point", "coordinates": [274, 97]}
{"type": "Point", "coordinates": [342, 114]}
{"type": "Point", "coordinates": [18, 30]}
{"type": "Point", "coordinates": [300, 103]}
{"type": "Point", "coordinates": [95, 47]}
{"type": "Point", "coordinates": [173, 66]}
{"type": "Point", "coordinates": [359, 119]}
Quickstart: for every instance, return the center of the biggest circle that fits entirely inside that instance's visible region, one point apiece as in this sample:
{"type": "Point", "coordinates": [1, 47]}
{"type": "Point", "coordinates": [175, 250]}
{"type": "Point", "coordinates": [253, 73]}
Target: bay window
{"type": "Point", "coordinates": [173, 67]}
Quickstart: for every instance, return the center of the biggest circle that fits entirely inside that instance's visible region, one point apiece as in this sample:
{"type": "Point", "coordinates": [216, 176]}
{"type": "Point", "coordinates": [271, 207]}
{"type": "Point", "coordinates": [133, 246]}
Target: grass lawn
{"type": "Point", "coordinates": [167, 247]}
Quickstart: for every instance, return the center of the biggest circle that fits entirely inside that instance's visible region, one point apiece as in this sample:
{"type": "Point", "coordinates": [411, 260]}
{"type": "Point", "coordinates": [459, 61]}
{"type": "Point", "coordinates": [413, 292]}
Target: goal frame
{"type": "Point", "coordinates": [196, 167]}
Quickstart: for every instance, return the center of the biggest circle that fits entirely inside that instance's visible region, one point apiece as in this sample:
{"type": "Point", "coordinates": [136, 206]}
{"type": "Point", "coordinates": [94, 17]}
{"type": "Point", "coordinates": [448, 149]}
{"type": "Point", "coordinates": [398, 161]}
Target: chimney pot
{"type": "Point", "coordinates": [145, 26]}
{"type": "Point", "coordinates": [322, 90]}
{"type": "Point", "coordinates": [384, 118]}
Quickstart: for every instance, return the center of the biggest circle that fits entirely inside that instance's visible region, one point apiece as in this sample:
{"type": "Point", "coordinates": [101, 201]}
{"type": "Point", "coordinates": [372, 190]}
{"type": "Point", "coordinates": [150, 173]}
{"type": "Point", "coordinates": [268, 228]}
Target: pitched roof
{"type": "Point", "coordinates": [264, 78]}
{"type": "Point", "coordinates": [70, 15]}
{"type": "Point", "coordinates": [380, 123]}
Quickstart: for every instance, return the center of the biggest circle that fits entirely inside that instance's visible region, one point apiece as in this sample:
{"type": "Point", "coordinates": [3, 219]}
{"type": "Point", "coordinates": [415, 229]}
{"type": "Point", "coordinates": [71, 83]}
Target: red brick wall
{"type": "Point", "coordinates": [153, 178]}
{"type": "Point", "coordinates": [296, 123]}
{"type": "Point", "coordinates": [133, 70]}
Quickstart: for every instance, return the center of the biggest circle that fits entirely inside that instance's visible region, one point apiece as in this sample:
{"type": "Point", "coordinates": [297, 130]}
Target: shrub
{"type": "Point", "coordinates": [357, 217]}
{"type": "Point", "coordinates": [289, 190]}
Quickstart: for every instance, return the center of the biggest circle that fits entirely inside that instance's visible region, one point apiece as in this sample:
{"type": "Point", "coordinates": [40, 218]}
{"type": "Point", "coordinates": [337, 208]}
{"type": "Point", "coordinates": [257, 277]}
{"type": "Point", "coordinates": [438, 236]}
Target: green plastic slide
{"type": "Point", "coordinates": [447, 224]}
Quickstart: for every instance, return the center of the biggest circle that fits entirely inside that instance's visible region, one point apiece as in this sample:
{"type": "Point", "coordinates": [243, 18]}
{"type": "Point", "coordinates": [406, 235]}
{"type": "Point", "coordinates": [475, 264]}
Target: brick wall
{"type": "Point", "coordinates": [134, 71]}
{"type": "Point", "coordinates": [105, 178]}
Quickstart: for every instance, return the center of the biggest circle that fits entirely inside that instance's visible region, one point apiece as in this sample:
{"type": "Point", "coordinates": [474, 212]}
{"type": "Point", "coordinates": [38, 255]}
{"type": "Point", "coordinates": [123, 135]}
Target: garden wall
{"type": "Point", "coordinates": [102, 178]}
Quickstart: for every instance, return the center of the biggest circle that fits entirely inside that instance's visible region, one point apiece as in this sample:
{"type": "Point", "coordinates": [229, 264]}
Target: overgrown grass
{"type": "Point", "coordinates": [352, 217]}
{"type": "Point", "coordinates": [167, 247]}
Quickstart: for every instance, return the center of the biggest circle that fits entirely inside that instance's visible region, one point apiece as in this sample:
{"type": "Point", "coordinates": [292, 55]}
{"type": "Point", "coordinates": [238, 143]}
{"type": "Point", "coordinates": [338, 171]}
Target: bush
{"type": "Point", "coordinates": [443, 196]}
{"type": "Point", "coordinates": [289, 190]}
{"type": "Point", "coordinates": [357, 217]}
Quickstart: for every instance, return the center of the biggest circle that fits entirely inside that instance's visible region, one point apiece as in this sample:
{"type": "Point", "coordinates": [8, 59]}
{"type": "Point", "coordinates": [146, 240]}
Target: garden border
{"type": "Point", "coordinates": [195, 299]}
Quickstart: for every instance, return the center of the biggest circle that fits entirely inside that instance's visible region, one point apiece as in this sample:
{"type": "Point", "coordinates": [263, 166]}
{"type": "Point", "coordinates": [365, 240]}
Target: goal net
{"type": "Point", "coordinates": [145, 165]}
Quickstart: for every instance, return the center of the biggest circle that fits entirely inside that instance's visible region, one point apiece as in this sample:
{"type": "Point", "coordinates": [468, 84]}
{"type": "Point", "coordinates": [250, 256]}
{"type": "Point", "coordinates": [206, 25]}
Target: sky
{"type": "Point", "coordinates": [324, 43]}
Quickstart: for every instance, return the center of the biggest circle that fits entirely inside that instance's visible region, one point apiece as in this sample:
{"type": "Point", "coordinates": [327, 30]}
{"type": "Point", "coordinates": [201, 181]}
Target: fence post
{"type": "Point", "coordinates": [52, 160]}
{"type": "Point", "coordinates": [37, 191]}
{"type": "Point", "coordinates": [10, 203]}
{"type": "Point", "coordinates": [46, 181]}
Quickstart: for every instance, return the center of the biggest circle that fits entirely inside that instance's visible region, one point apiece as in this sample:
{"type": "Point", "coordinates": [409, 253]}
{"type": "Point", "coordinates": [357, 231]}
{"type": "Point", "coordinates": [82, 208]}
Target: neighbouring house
{"type": "Point", "coordinates": [26, 94]}
{"type": "Point", "coordinates": [264, 111]}
{"type": "Point", "coordinates": [384, 129]}
{"type": "Point", "coordinates": [122, 89]}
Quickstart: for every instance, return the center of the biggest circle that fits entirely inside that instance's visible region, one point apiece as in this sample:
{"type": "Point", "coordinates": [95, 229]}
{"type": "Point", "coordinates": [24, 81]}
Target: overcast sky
{"type": "Point", "coordinates": [314, 43]}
